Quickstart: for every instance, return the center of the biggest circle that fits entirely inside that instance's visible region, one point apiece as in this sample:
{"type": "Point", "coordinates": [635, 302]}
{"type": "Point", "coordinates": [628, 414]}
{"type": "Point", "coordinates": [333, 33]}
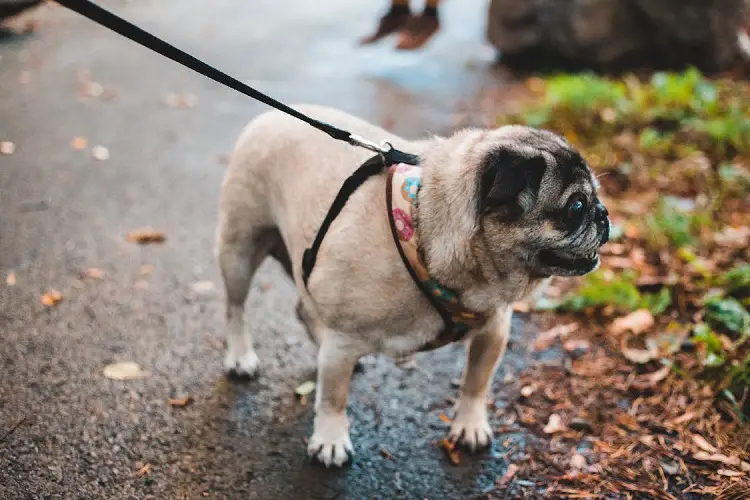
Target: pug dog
{"type": "Point", "coordinates": [497, 213]}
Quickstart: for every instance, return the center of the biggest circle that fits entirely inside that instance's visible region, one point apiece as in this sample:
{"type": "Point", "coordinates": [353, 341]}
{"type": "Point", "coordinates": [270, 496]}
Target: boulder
{"type": "Point", "coordinates": [614, 35]}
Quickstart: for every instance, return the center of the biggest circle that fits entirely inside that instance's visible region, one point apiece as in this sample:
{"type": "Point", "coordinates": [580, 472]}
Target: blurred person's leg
{"type": "Point", "coordinates": [420, 28]}
{"type": "Point", "coordinates": [393, 21]}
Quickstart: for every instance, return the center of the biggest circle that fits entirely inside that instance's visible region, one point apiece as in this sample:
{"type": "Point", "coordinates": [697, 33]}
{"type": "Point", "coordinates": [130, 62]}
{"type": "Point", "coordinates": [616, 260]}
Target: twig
{"type": "Point", "coordinates": [13, 428]}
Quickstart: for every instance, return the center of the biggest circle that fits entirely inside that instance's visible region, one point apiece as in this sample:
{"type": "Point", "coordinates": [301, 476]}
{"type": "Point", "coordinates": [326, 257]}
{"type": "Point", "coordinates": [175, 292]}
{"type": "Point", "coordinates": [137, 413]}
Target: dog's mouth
{"type": "Point", "coordinates": [569, 264]}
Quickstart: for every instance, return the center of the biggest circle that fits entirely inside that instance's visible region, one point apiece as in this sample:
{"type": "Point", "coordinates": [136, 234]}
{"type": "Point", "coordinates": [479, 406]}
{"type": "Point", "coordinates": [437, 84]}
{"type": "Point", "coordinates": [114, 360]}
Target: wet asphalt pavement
{"type": "Point", "coordinates": [66, 431]}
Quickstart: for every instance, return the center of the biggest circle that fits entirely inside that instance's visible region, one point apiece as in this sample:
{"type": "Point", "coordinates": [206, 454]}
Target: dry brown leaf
{"type": "Point", "coordinates": [730, 473]}
{"type": "Point", "coordinates": [124, 370]}
{"type": "Point", "coordinates": [7, 148]}
{"type": "Point", "coordinates": [180, 402]}
{"type": "Point", "coordinates": [387, 454]}
{"type": "Point", "coordinates": [576, 345]}
{"type": "Point", "coordinates": [445, 418]}
{"type": "Point", "coordinates": [450, 449]}
{"type": "Point", "coordinates": [554, 425]}
{"type": "Point", "coordinates": [79, 143]}
{"type": "Point", "coordinates": [717, 457]}
{"type": "Point", "coordinates": [637, 355]}
{"type": "Point", "coordinates": [92, 273]}
{"type": "Point", "coordinates": [51, 298]}
{"type": "Point", "coordinates": [658, 375]}
{"type": "Point", "coordinates": [704, 445]}
{"type": "Point", "coordinates": [174, 100]}
{"type": "Point", "coordinates": [146, 236]}
{"type": "Point", "coordinates": [636, 322]}
{"type": "Point", "coordinates": [545, 339]}
{"type": "Point", "coordinates": [509, 474]}
{"type": "Point", "coordinates": [11, 279]}
{"type": "Point", "coordinates": [578, 461]}
{"type": "Point", "coordinates": [143, 470]}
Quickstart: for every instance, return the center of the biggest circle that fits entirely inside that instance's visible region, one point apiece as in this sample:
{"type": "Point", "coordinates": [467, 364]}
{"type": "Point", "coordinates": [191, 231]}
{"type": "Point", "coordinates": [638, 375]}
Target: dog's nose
{"type": "Point", "coordinates": [600, 214]}
{"type": "Point", "coordinates": [602, 222]}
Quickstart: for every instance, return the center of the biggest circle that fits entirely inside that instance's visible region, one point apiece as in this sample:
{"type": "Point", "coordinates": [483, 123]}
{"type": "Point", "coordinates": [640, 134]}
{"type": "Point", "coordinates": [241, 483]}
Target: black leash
{"type": "Point", "coordinates": [386, 155]}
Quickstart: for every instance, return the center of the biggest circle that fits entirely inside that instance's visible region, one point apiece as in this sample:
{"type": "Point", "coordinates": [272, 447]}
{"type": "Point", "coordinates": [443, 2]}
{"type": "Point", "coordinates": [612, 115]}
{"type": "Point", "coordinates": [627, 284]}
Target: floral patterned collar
{"type": "Point", "coordinates": [402, 188]}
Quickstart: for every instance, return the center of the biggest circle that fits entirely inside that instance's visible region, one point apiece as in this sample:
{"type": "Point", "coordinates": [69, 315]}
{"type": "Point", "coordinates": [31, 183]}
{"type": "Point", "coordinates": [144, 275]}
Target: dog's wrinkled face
{"type": "Point", "coordinates": [537, 192]}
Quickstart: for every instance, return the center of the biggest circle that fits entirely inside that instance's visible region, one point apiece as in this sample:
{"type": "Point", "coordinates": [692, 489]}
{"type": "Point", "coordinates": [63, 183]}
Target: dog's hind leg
{"type": "Point", "coordinates": [240, 253]}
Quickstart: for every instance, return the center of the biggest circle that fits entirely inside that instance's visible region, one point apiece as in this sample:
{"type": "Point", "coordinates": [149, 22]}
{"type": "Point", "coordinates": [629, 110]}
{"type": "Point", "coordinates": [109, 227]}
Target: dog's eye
{"type": "Point", "coordinates": [576, 209]}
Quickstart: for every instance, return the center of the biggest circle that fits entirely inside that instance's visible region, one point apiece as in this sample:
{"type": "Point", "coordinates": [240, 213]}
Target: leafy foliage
{"type": "Point", "coordinates": [601, 288]}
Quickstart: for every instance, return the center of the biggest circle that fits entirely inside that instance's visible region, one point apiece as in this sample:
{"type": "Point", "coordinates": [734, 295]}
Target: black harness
{"type": "Point", "coordinates": [386, 155]}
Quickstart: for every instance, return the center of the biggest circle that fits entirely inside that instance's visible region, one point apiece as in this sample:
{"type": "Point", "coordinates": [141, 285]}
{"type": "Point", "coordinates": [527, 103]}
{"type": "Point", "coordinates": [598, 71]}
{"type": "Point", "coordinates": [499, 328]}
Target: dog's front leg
{"type": "Point", "coordinates": [330, 442]}
{"type": "Point", "coordinates": [471, 427]}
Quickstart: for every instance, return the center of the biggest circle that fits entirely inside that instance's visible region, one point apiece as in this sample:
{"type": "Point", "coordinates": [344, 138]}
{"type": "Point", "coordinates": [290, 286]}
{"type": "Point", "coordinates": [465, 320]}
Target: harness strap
{"type": "Point", "coordinates": [370, 168]}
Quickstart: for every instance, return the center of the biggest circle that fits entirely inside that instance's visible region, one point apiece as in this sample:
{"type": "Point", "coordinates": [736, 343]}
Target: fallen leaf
{"type": "Point", "coordinates": [305, 388]}
{"type": "Point", "coordinates": [554, 424]}
{"type": "Point", "coordinates": [202, 287]}
{"type": "Point", "coordinates": [545, 339]}
{"type": "Point", "coordinates": [658, 375]}
{"type": "Point", "coordinates": [11, 279]}
{"type": "Point", "coordinates": [445, 418]}
{"type": "Point", "coordinates": [576, 345]}
{"type": "Point", "coordinates": [143, 270]}
{"type": "Point", "coordinates": [635, 322]}
{"type": "Point", "coordinates": [51, 298]}
{"type": "Point", "coordinates": [387, 454]}
{"type": "Point", "coordinates": [450, 449]}
{"type": "Point", "coordinates": [509, 474]}
{"type": "Point", "coordinates": [174, 100]}
{"type": "Point", "coordinates": [704, 445]}
{"type": "Point", "coordinates": [578, 461]}
{"type": "Point", "coordinates": [716, 457]}
{"type": "Point", "coordinates": [124, 370]}
{"type": "Point", "coordinates": [92, 89]}
{"type": "Point", "coordinates": [92, 273]}
{"type": "Point", "coordinates": [736, 237]}
{"type": "Point", "coordinates": [7, 147]}
{"type": "Point", "coordinates": [637, 355]}
{"type": "Point", "coordinates": [79, 143]}
{"type": "Point", "coordinates": [180, 402]}
{"type": "Point", "coordinates": [143, 470]}
{"type": "Point", "coordinates": [730, 473]}
{"type": "Point", "coordinates": [147, 235]}
{"type": "Point", "coordinates": [100, 153]}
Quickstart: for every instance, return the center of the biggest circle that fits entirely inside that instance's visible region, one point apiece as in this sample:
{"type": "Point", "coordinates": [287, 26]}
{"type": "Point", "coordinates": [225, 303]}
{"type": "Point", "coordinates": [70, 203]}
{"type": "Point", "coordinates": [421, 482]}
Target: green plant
{"type": "Point", "coordinates": [599, 289]}
{"type": "Point", "coordinates": [669, 224]}
{"type": "Point", "coordinates": [728, 313]}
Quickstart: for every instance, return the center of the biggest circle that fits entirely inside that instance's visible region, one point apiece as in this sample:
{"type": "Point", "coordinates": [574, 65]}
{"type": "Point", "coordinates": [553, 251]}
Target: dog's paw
{"type": "Point", "coordinates": [470, 428]}
{"type": "Point", "coordinates": [245, 366]}
{"type": "Point", "coordinates": [330, 444]}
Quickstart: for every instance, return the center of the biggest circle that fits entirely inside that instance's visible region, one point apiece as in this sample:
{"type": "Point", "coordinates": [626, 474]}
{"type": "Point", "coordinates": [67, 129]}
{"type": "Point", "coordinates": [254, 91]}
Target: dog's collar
{"type": "Point", "coordinates": [402, 189]}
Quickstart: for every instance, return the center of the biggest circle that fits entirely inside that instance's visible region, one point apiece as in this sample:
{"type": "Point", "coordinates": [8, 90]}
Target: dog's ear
{"type": "Point", "coordinates": [506, 175]}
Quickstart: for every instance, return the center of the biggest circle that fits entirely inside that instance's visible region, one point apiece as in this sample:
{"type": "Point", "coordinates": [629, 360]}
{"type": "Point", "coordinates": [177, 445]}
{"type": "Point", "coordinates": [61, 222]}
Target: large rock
{"type": "Point", "coordinates": [616, 34]}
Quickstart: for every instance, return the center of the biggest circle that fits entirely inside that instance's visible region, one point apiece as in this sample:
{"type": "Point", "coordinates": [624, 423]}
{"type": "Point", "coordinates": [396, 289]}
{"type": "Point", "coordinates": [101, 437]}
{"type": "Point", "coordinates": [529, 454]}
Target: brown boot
{"type": "Point", "coordinates": [419, 30]}
{"type": "Point", "coordinates": [394, 20]}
